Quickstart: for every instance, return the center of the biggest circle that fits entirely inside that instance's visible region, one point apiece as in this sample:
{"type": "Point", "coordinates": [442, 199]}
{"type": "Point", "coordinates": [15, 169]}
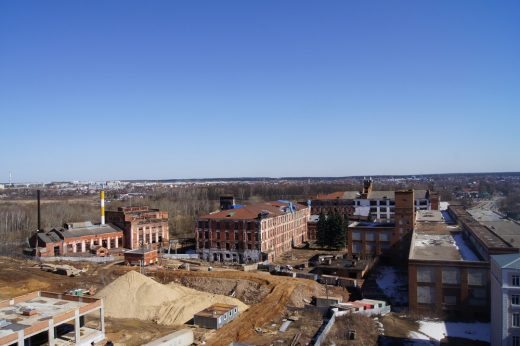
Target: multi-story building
{"type": "Point", "coordinates": [141, 226]}
{"type": "Point", "coordinates": [446, 275]}
{"type": "Point", "coordinates": [251, 233]}
{"type": "Point", "coordinates": [377, 205]}
{"type": "Point", "coordinates": [370, 239]}
{"type": "Point", "coordinates": [505, 300]}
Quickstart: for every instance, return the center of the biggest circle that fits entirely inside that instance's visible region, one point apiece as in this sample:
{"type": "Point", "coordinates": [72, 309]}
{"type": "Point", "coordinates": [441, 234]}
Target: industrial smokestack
{"type": "Point", "coordinates": [39, 215]}
{"type": "Point", "coordinates": [102, 207]}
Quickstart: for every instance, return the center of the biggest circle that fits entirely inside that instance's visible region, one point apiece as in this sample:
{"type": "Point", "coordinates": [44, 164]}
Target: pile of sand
{"type": "Point", "coordinates": [134, 295]}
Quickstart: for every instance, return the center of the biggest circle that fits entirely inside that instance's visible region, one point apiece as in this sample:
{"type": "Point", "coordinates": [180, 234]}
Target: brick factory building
{"type": "Point", "coordinates": [370, 239]}
{"type": "Point", "coordinates": [128, 227]}
{"type": "Point", "coordinates": [141, 226]}
{"type": "Point", "coordinates": [446, 275]}
{"type": "Point", "coordinates": [75, 238]}
{"type": "Point", "coordinates": [369, 204]}
{"type": "Point", "coordinates": [251, 233]}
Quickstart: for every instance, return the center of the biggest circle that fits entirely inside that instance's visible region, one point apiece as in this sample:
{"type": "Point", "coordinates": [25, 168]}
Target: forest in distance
{"type": "Point", "coordinates": [18, 216]}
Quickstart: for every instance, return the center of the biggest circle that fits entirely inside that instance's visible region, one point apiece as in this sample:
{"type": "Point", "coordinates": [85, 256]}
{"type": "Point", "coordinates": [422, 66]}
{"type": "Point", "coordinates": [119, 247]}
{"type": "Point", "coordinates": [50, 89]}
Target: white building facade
{"type": "Point", "coordinates": [505, 300]}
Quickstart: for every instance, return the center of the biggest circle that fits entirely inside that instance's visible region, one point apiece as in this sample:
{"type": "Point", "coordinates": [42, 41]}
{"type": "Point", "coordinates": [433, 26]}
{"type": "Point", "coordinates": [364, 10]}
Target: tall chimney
{"type": "Point", "coordinates": [39, 216]}
{"type": "Point", "coordinates": [102, 207]}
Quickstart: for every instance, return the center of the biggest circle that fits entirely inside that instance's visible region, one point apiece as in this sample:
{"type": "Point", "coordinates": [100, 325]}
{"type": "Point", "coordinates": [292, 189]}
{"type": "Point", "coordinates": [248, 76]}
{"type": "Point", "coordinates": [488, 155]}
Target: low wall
{"type": "Point", "coordinates": [74, 259]}
{"type": "Point", "coordinates": [180, 256]}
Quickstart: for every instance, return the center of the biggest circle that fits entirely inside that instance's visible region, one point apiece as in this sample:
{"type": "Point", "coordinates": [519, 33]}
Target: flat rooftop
{"type": "Point", "coordinates": [371, 224]}
{"type": "Point", "coordinates": [505, 228]}
{"type": "Point", "coordinates": [440, 241]}
{"type": "Point", "coordinates": [490, 239]}
{"type": "Point", "coordinates": [44, 306]}
{"type": "Point", "coordinates": [215, 310]}
{"type": "Point", "coordinates": [429, 216]}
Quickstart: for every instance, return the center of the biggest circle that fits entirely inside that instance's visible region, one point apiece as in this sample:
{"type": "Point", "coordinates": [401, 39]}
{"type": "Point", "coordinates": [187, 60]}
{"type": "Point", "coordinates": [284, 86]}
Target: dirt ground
{"type": "Point", "coordinates": [297, 256]}
{"type": "Point", "coordinates": [284, 292]}
{"type": "Point", "coordinates": [365, 330]}
{"type": "Point", "coordinates": [398, 326]}
{"type": "Point", "coordinates": [272, 298]}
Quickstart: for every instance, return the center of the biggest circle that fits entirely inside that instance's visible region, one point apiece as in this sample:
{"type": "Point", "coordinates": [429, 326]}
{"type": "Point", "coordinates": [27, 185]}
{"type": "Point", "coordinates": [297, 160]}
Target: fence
{"type": "Point", "coordinates": [74, 259]}
{"type": "Point", "coordinates": [180, 256]}
{"type": "Point", "coordinates": [322, 334]}
{"type": "Point", "coordinates": [325, 330]}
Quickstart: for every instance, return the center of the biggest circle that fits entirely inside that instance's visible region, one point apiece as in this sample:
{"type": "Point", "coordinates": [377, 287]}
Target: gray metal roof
{"type": "Point", "coordinates": [351, 194]}
{"type": "Point", "coordinates": [510, 261]}
{"type": "Point", "coordinates": [86, 231]}
{"type": "Point", "coordinates": [381, 195]}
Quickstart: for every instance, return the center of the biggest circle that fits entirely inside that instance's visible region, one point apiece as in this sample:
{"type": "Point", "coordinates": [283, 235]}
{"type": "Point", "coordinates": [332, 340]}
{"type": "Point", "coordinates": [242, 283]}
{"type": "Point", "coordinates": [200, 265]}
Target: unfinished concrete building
{"type": "Point", "coordinates": [251, 233]}
{"type": "Point", "coordinates": [216, 316]}
{"type": "Point", "coordinates": [41, 318]}
{"type": "Point", "coordinates": [141, 226]}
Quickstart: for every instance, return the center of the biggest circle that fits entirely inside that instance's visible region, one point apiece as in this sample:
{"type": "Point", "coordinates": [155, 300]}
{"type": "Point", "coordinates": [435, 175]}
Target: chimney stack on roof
{"type": "Point", "coordinates": [102, 195]}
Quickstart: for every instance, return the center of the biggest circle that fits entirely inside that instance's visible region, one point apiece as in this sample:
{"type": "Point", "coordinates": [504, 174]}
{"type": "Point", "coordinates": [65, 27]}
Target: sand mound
{"type": "Point", "coordinates": [134, 295]}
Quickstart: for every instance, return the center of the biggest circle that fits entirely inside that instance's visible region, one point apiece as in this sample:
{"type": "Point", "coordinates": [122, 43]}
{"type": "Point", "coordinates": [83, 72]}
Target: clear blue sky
{"type": "Point", "coordinates": [95, 90]}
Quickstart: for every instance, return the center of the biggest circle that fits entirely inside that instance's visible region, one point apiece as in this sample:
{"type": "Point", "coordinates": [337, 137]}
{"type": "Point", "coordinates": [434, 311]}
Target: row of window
{"type": "Point", "coordinates": [476, 296]}
{"type": "Point", "coordinates": [452, 276]}
{"type": "Point", "coordinates": [229, 246]}
{"type": "Point", "coordinates": [227, 236]}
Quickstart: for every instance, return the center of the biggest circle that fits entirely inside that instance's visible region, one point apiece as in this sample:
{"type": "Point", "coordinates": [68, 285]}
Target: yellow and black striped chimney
{"type": "Point", "coordinates": [102, 196]}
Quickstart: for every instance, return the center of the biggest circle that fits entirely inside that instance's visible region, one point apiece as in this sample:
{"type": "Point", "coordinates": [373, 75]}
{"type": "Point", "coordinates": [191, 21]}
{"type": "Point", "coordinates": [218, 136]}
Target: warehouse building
{"type": "Point", "coordinates": [75, 238]}
{"type": "Point", "coordinates": [251, 233]}
{"type": "Point", "coordinates": [446, 274]}
{"type": "Point", "coordinates": [40, 318]}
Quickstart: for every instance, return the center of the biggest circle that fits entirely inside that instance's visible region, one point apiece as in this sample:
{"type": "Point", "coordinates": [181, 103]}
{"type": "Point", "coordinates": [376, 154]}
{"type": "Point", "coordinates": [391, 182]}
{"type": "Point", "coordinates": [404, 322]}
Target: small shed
{"type": "Point", "coordinates": [327, 301]}
{"type": "Point", "coordinates": [147, 256]}
{"type": "Point", "coordinates": [216, 316]}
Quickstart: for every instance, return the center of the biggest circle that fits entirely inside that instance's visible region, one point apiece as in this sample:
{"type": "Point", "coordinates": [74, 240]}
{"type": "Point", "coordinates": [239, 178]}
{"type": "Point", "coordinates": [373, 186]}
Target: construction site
{"type": "Point", "coordinates": [141, 308]}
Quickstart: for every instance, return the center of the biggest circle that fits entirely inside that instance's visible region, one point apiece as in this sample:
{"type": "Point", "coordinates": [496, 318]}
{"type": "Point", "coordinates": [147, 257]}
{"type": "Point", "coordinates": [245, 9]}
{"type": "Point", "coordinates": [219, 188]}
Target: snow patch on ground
{"type": "Point", "coordinates": [465, 251]}
{"type": "Point", "coordinates": [439, 330]}
{"type": "Point", "coordinates": [443, 206]}
{"type": "Point", "coordinates": [393, 285]}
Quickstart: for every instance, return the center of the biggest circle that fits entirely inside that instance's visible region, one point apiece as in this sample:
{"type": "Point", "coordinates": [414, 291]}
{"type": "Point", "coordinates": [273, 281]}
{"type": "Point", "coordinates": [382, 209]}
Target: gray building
{"type": "Point", "coordinates": [505, 300]}
{"type": "Point", "coordinates": [215, 316]}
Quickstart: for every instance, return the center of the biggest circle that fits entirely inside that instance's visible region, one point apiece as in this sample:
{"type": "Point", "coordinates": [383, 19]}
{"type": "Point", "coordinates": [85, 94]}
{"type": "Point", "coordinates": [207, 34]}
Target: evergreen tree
{"type": "Point", "coordinates": [336, 231]}
{"type": "Point", "coordinates": [331, 229]}
{"type": "Point", "coordinates": [321, 230]}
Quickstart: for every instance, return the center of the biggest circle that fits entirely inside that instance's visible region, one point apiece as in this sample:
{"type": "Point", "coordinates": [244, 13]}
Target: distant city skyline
{"type": "Point", "coordinates": [122, 90]}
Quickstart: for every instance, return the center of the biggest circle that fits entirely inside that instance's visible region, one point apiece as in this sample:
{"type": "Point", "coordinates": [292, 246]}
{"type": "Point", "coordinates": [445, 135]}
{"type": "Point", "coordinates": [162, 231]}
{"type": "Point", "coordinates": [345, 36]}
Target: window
{"type": "Point", "coordinates": [425, 274]}
{"type": "Point", "coordinates": [450, 276]}
{"type": "Point", "coordinates": [516, 320]}
{"type": "Point", "coordinates": [516, 340]}
{"type": "Point", "coordinates": [516, 280]}
{"type": "Point", "coordinates": [450, 300]}
{"type": "Point", "coordinates": [515, 299]}
{"type": "Point", "coordinates": [425, 295]}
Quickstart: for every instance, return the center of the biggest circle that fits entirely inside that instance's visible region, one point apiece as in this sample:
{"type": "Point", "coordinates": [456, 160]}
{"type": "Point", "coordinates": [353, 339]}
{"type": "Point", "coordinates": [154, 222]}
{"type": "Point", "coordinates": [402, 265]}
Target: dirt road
{"type": "Point", "coordinates": [284, 292]}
